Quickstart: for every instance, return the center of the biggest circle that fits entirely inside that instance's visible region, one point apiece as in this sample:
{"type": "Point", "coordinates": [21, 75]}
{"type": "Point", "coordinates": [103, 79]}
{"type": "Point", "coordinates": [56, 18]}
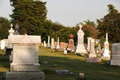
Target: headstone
{"type": "Point", "coordinates": [66, 44]}
{"type": "Point", "coordinates": [115, 55]}
{"type": "Point", "coordinates": [58, 46]}
{"type": "Point", "coordinates": [88, 43]}
{"type": "Point", "coordinates": [80, 48]}
{"type": "Point", "coordinates": [71, 43]}
{"type": "Point", "coordinates": [93, 60]}
{"type": "Point", "coordinates": [55, 43]}
{"type": "Point", "coordinates": [10, 46]}
{"type": "Point", "coordinates": [92, 51]}
{"type": "Point", "coordinates": [65, 51]}
{"type": "Point", "coordinates": [25, 64]}
{"type": "Point", "coordinates": [81, 75]}
{"type": "Point", "coordinates": [42, 44]}
{"type": "Point", "coordinates": [99, 47]}
{"type": "Point", "coordinates": [52, 43]}
{"type": "Point", "coordinates": [48, 42]}
{"type": "Point", "coordinates": [6, 42]}
{"type": "Point", "coordinates": [105, 55]}
{"type": "Point", "coordinates": [97, 41]}
{"type": "Point", "coordinates": [2, 44]}
{"type": "Point", "coordinates": [16, 31]}
{"type": "Point", "coordinates": [62, 45]}
{"type": "Point", "coordinates": [62, 72]}
{"type": "Point", "coordinates": [45, 45]}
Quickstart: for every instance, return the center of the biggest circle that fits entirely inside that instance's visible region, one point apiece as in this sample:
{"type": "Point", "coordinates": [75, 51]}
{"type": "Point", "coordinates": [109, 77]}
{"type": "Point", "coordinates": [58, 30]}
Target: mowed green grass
{"type": "Point", "coordinates": [73, 63]}
{"type": "Point", "coordinates": [77, 64]}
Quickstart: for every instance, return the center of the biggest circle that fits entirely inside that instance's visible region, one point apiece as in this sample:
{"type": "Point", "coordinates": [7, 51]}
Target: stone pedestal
{"type": "Point", "coordinates": [25, 64]}
{"type": "Point", "coordinates": [24, 75]}
{"type": "Point", "coordinates": [115, 55]}
{"type": "Point", "coordinates": [71, 44]}
{"type": "Point", "coordinates": [80, 48]}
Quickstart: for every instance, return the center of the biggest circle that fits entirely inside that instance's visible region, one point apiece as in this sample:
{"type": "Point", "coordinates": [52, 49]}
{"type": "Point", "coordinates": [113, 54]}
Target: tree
{"type": "Point", "coordinates": [30, 16]}
{"type": "Point", "coordinates": [4, 27]}
{"type": "Point", "coordinates": [110, 24]}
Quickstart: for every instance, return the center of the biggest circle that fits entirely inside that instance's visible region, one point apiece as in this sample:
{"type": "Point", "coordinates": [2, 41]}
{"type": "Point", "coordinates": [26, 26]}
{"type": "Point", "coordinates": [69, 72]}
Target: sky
{"type": "Point", "coordinates": [69, 12]}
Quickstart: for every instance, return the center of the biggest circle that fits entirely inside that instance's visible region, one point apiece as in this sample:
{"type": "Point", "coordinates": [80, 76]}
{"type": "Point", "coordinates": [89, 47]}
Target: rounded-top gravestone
{"type": "Point", "coordinates": [71, 36]}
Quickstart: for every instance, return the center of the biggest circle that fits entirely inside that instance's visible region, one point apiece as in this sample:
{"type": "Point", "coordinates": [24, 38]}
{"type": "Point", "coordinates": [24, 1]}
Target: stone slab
{"type": "Point", "coordinates": [24, 76]}
{"type": "Point", "coordinates": [114, 62]}
{"type": "Point", "coordinates": [93, 60]}
{"type": "Point", "coordinates": [62, 72]}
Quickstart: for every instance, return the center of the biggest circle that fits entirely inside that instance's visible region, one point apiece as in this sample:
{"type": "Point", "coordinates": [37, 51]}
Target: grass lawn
{"type": "Point", "coordinates": [71, 62]}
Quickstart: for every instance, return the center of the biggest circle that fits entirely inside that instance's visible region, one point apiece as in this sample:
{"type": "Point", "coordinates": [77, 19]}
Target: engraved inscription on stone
{"type": "Point", "coordinates": [24, 55]}
{"type": "Point", "coordinates": [25, 68]}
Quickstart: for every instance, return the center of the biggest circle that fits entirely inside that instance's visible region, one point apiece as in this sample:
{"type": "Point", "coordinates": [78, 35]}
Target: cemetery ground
{"type": "Point", "coordinates": [71, 62]}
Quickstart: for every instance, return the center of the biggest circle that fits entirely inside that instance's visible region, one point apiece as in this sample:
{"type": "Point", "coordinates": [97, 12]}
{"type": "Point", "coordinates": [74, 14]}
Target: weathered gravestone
{"type": "Point", "coordinates": [92, 57]}
{"type": "Point", "coordinates": [48, 42]}
{"type": "Point", "coordinates": [45, 45]}
{"type": "Point", "coordinates": [105, 55]}
{"type": "Point", "coordinates": [71, 43]}
{"type": "Point", "coordinates": [25, 64]}
{"type": "Point", "coordinates": [58, 46]}
{"type": "Point", "coordinates": [2, 44]}
{"type": "Point", "coordinates": [62, 45]}
{"type": "Point", "coordinates": [10, 47]}
{"type": "Point", "coordinates": [88, 43]}
{"type": "Point", "coordinates": [52, 43]}
{"type": "Point", "coordinates": [92, 51]}
{"type": "Point", "coordinates": [80, 48]}
{"type": "Point", "coordinates": [115, 55]}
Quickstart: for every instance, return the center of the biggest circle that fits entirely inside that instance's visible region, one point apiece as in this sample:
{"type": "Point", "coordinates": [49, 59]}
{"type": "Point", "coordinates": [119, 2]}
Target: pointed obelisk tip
{"type": "Point", "coordinates": [80, 26]}
{"type": "Point", "coordinates": [11, 25]}
{"type": "Point", "coordinates": [106, 36]}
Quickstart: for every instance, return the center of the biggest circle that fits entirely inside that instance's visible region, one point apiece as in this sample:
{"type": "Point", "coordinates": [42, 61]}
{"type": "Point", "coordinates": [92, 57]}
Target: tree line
{"type": "Point", "coordinates": [31, 18]}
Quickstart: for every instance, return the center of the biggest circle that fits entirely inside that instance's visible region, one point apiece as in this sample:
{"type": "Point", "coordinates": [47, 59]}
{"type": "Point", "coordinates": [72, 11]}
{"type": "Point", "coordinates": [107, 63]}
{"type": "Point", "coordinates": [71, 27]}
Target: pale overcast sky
{"type": "Point", "coordinates": [69, 12]}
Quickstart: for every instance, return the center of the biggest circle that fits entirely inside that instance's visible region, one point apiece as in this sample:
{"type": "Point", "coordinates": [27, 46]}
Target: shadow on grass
{"type": "Point", "coordinates": [92, 71]}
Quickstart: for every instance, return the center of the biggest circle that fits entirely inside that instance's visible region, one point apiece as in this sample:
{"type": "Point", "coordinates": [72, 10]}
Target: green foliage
{"type": "Point", "coordinates": [4, 27]}
{"type": "Point", "coordinates": [110, 24]}
{"type": "Point", "coordinates": [30, 16]}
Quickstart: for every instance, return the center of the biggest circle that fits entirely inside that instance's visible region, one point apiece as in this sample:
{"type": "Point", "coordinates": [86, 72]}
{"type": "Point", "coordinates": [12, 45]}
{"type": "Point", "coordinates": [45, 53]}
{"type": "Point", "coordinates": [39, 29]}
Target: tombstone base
{"type": "Point", "coordinates": [114, 62]}
{"type": "Point", "coordinates": [8, 51]}
{"type": "Point", "coordinates": [24, 75]}
{"type": "Point", "coordinates": [93, 60]}
{"type": "Point", "coordinates": [105, 58]}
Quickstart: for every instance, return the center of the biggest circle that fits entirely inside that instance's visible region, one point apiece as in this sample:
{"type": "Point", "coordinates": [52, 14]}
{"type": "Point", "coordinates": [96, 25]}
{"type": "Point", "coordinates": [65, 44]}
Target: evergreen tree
{"type": "Point", "coordinates": [110, 24]}
{"type": "Point", "coordinates": [30, 16]}
{"type": "Point", "coordinates": [4, 27]}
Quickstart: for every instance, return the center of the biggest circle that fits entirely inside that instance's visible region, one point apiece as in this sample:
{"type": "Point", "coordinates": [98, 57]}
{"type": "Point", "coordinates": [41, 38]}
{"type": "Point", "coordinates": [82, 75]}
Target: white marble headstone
{"type": "Point", "coordinates": [80, 48]}
{"type": "Point", "coordinates": [52, 43]}
{"type": "Point", "coordinates": [58, 46]}
{"type": "Point", "coordinates": [2, 44]}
